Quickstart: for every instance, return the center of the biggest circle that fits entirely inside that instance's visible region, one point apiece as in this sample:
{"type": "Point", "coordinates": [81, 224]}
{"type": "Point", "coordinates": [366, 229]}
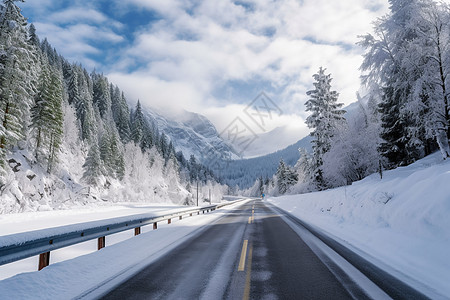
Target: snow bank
{"type": "Point", "coordinates": [29, 188]}
{"type": "Point", "coordinates": [401, 221]}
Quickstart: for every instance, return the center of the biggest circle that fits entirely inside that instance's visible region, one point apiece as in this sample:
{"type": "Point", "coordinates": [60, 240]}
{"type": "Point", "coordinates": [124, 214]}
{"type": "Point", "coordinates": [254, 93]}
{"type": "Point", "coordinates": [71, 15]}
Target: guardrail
{"type": "Point", "coordinates": [41, 242]}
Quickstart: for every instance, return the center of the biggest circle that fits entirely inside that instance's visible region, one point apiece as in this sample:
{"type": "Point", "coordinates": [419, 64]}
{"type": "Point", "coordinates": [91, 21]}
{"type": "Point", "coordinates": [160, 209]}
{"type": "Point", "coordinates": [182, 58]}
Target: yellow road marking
{"type": "Point", "coordinates": [249, 274]}
{"type": "Point", "coordinates": [243, 254]}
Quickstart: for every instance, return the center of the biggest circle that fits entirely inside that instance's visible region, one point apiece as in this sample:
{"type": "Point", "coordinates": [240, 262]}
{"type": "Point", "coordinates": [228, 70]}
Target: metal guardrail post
{"type": "Point", "coordinates": [155, 225]}
{"type": "Point", "coordinates": [137, 231]}
{"type": "Point", "coordinates": [101, 242]}
{"type": "Point", "coordinates": [181, 217]}
{"type": "Point", "coordinates": [44, 260]}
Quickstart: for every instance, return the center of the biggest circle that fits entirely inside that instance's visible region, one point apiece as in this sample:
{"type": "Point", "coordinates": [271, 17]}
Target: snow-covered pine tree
{"type": "Point", "coordinates": [304, 168]}
{"type": "Point", "coordinates": [33, 39]}
{"type": "Point", "coordinates": [56, 120]}
{"type": "Point", "coordinates": [47, 116]}
{"type": "Point", "coordinates": [84, 105]}
{"type": "Point", "coordinates": [17, 69]}
{"type": "Point", "coordinates": [193, 169]}
{"type": "Point", "coordinates": [281, 177]}
{"type": "Point", "coordinates": [163, 146]}
{"type": "Point", "coordinates": [101, 95]}
{"type": "Point", "coordinates": [40, 111]}
{"type": "Point", "coordinates": [111, 153]}
{"type": "Point", "coordinates": [260, 185]}
{"type": "Point", "coordinates": [139, 124]}
{"type": "Point", "coordinates": [121, 113]}
{"type": "Point", "coordinates": [92, 166]}
{"type": "Point", "coordinates": [326, 117]}
{"type": "Point", "coordinates": [387, 63]}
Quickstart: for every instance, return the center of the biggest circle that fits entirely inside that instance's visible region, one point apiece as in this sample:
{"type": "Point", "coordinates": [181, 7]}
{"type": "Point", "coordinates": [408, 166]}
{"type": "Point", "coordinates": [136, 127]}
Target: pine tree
{"type": "Point", "coordinates": [394, 63]}
{"type": "Point", "coordinates": [281, 177]}
{"type": "Point", "coordinates": [164, 146]}
{"type": "Point", "coordinates": [394, 143]}
{"type": "Point", "coordinates": [260, 185]}
{"type": "Point", "coordinates": [121, 113]}
{"type": "Point", "coordinates": [92, 166]}
{"type": "Point", "coordinates": [326, 116]}
{"type": "Point", "coordinates": [305, 167]}
{"type": "Point", "coordinates": [101, 95]}
{"type": "Point", "coordinates": [111, 154]}
{"type": "Point", "coordinates": [47, 117]}
{"type": "Point", "coordinates": [428, 67]}
{"type": "Point", "coordinates": [40, 112]}
{"type": "Point", "coordinates": [139, 124]}
{"type": "Point", "coordinates": [83, 105]}
{"type": "Point", "coordinates": [17, 69]}
{"type": "Point", "coordinates": [33, 38]}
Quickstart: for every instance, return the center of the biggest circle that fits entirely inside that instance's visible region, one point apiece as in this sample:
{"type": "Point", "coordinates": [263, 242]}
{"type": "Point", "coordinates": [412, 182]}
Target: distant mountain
{"type": "Point", "coordinates": [244, 172]}
{"type": "Point", "coordinates": [270, 142]}
{"type": "Point", "coordinates": [193, 134]}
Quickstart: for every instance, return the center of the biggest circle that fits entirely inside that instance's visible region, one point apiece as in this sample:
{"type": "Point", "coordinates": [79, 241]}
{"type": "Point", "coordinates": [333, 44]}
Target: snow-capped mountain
{"type": "Point", "coordinates": [193, 134]}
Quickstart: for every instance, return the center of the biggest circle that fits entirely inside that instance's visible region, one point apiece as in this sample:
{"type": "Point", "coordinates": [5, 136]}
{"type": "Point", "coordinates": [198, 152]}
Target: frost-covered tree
{"type": "Point", "coordinates": [92, 166]}
{"type": "Point", "coordinates": [164, 146]}
{"type": "Point", "coordinates": [138, 125]}
{"type": "Point", "coordinates": [428, 66]}
{"type": "Point", "coordinates": [84, 105]}
{"type": "Point", "coordinates": [17, 70]}
{"type": "Point", "coordinates": [325, 118]}
{"type": "Point", "coordinates": [101, 94]}
{"type": "Point", "coordinates": [354, 150]}
{"type": "Point", "coordinates": [47, 116]}
{"type": "Point", "coordinates": [111, 154]}
{"type": "Point", "coordinates": [285, 177]}
{"type": "Point", "coordinates": [33, 39]}
{"type": "Point", "coordinates": [407, 58]}
{"type": "Point", "coordinates": [305, 170]}
{"type": "Point", "coordinates": [121, 113]}
{"type": "Point", "coordinates": [56, 120]}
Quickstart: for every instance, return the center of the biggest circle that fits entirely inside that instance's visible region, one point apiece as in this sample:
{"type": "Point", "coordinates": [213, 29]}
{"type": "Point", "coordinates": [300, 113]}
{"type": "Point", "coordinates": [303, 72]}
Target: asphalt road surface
{"type": "Point", "coordinates": [249, 254]}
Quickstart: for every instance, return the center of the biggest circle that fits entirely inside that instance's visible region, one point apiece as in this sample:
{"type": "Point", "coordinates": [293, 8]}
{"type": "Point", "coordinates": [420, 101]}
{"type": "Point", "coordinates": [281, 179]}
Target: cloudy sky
{"type": "Point", "coordinates": [215, 56]}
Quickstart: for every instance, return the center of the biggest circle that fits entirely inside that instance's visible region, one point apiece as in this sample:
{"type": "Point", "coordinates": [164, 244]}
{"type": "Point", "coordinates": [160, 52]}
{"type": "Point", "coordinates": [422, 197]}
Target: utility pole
{"type": "Point", "coordinates": [209, 196]}
{"type": "Point", "coordinates": [197, 192]}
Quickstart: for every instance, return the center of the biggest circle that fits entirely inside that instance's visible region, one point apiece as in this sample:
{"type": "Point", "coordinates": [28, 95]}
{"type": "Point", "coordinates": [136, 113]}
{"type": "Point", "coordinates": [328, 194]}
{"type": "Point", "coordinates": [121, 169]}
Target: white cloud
{"type": "Point", "coordinates": [164, 95]}
{"type": "Point", "coordinates": [283, 43]}
{"type": "Point", "coordinates": [195, 50]}
{"type": "Point", "coordinates": [77, 14]}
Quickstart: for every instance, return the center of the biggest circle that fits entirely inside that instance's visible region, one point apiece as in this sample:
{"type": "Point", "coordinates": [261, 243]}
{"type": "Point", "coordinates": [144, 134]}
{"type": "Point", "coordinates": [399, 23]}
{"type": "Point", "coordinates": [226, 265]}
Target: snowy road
{"type": "Point", "coordinates": [248, 250]}
{"type": "Point", "coordinates": [251, 253]}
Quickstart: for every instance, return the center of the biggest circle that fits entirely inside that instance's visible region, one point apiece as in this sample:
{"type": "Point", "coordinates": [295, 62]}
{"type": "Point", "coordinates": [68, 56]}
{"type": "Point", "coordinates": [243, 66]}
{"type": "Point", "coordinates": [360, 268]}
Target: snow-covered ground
{"type": "Point", "coordinates": [72, 271]}
{"type": "Point", "coordinates": [401, 222]}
